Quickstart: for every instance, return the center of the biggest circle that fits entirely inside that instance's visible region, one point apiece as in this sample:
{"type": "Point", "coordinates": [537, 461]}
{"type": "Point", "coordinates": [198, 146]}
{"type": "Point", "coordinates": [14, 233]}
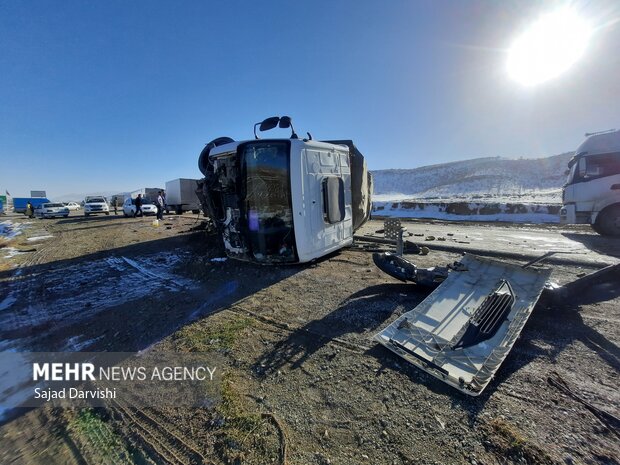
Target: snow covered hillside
{"type": "Point", "coordinates": [496, 179]}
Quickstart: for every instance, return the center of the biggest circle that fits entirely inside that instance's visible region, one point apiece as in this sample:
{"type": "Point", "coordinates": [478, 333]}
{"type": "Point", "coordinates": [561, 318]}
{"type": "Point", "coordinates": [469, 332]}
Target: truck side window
{"type": "Point", "coordinates": [333, 199]}
{"type": "Point", "coordinates": [599, 166]}
{"type": "Point", "coordinates": [581, 168]}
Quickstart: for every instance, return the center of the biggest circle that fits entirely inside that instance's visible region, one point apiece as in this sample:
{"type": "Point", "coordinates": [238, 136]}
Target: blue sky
{"type": "Point", "coordinates": [117, 95]}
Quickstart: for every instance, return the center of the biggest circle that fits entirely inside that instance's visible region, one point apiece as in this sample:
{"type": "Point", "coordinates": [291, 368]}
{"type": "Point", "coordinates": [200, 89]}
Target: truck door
{"type": "Point", "coordinates": [595, 177]}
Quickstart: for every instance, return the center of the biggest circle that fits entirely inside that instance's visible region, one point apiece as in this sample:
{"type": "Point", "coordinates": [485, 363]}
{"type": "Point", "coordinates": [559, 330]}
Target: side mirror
{"type": "Point", "coordinates": [285, 122]}
{"type": "Point", "coordinates": [269, 123]}
{"type": "Point", "coordinates": [266, 125]}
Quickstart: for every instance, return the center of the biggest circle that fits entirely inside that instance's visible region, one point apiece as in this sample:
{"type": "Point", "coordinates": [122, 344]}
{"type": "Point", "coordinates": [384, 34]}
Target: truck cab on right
{"type": "Point", "coordinates": [591, 194]}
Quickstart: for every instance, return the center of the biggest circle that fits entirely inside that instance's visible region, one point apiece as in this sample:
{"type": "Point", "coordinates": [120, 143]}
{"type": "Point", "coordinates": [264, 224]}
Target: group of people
{"type": "Point", "coordinates": [160, 204]}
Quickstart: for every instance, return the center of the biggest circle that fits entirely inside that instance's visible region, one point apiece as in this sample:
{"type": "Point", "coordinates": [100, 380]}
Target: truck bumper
{"type": "Point", "coordinates": [570, 215]}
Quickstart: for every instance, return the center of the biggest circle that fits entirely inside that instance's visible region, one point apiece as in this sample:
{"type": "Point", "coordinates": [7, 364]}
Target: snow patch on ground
{"type": "Point", "coordinates": [39, 238]}
{"type": "Point", "coordinates": [8, 301]}
{"type": "Point", "coordinates": [77, 292]}
{"type": "Point", "coordinates": [10, 252]}
{"type": "Point", "coordinates": [74, 344]}
{"type": "Point", "coordinates": [9, 230]}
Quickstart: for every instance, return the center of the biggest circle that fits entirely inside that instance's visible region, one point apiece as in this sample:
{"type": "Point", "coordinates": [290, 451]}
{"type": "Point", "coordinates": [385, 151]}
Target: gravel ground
{"type": "Point", "coordinates": [303, 381]}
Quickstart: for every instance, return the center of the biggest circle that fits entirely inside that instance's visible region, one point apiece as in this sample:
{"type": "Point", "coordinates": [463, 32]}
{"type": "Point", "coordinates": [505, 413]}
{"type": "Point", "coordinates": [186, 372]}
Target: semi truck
{"type": "Point", "coordinates": [591, 194]}
{"type": "Point", "coordinates": [284, 200]}
{"type": "Point", "coordinates": [181, 196]}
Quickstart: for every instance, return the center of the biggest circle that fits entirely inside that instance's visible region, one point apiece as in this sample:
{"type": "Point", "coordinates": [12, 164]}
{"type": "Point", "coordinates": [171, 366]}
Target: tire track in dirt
{"type": "Point", "coordinates": [152, 434]}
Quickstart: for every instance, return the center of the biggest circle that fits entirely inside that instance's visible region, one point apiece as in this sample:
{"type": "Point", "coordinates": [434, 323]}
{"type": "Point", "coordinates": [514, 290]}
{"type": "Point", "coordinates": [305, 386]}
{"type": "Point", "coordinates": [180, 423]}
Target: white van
{"type": "Point", "coordinates": [591, 194]}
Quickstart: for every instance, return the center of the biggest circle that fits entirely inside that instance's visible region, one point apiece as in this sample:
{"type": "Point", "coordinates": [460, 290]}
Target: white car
{"type": "Point", "coordinates": [50, 210]}
{"type": "Point", "coordinates": [72, 206]}
{"type": "Point", "coordinates": [94, 205]}
{"type": "Point", "coordinates": [148, 207]}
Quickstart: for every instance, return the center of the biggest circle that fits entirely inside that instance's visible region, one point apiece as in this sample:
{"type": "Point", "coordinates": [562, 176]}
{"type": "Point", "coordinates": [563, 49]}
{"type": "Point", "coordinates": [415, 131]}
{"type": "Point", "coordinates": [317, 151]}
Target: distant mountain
{"type": "Point", "coordinates": [479, 176]}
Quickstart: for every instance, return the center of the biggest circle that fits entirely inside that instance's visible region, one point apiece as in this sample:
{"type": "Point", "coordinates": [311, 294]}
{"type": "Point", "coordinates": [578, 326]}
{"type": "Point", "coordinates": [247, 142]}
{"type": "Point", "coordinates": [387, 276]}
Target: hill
{"type": "Point", "coordinates": [537, 179]}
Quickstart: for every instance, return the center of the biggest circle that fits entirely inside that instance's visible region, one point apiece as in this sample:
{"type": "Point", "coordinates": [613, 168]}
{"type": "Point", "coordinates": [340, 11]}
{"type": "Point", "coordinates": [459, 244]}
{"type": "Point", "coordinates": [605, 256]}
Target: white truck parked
{"type": "Point", "coordinates": [181, 196]}
{"type": "Point", "coordinates": [591, 194]}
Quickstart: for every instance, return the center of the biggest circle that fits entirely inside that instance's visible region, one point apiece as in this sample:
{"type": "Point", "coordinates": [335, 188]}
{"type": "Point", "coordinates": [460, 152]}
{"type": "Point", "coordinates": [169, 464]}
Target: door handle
{"type": "Point", "coordinates": [615, 187]}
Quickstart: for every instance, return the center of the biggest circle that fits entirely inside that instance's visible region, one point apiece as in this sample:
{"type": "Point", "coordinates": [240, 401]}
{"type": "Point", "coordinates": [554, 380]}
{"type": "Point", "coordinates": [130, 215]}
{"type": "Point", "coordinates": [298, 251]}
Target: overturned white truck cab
{"type": "Point", "coordinates": [284, 200]}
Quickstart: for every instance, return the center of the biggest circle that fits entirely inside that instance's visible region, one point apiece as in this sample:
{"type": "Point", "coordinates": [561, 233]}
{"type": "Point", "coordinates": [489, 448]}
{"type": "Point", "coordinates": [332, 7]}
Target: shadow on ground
{"type": "Point", "coordinates": [362, 312]}
{"type": "Point", "coordinates": [605, 245]}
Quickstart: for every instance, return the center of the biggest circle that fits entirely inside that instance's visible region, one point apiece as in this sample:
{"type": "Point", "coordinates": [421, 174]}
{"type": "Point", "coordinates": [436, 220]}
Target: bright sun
{"type": "Point", "coordinates": [549, 47]}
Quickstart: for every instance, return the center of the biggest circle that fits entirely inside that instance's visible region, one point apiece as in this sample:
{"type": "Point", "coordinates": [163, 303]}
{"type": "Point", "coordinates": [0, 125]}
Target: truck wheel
{"type": "Point", "coordinates": [597, 227]}
{"type": "Point", "coordinates": [608, 221]}
{"type": "Point", "coordinates": [204, 164]}
{"type": "Point", "coordinates": [178, 210]}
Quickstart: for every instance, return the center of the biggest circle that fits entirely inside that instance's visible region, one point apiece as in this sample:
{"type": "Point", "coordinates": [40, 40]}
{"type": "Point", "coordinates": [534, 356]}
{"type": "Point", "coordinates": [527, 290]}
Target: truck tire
{"type": "Point", "coordinates": [203, 160]}
{"type": "Point", "coordinates": [608, 221]}
{"type": "Point", "coordinates": [178, 210]}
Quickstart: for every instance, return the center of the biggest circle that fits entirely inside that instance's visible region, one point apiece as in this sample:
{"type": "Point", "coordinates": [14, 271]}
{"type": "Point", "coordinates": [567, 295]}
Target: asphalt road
{"type": "Point", "coordinates": [577, 245]}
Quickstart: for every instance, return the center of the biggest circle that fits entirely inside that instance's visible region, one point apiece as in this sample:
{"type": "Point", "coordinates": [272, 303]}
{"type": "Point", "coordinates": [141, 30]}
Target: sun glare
{"type": "Point", "coordinates": [549, 47]}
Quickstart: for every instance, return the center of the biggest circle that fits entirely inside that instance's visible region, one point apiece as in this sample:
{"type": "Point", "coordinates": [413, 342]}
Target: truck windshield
{"type": "Point", "coordinates": [267, 201]}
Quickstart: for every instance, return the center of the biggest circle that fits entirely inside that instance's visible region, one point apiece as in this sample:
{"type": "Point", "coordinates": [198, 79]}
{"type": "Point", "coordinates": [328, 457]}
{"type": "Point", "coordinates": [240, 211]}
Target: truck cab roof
{"type": "Point", "coordinates": [597, 144]}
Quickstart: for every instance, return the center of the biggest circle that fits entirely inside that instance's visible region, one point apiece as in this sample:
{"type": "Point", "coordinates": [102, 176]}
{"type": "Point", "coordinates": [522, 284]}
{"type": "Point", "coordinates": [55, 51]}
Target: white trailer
{"type": "Point", "coordinates": [181, 196]}
{"type": "Point", "coordinates": [591, 194]}
{"type": "Point", "coordinates": [148, 193]}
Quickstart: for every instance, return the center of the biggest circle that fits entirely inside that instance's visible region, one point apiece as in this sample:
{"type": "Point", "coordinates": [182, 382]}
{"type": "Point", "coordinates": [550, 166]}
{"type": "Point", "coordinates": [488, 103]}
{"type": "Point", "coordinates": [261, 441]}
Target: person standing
{"type": "Point", "coordinates": [160, 206]}
{"type": "Point", "coordinates": [29, 210]}
{"type": "Point", "coordinates": [138, 205]}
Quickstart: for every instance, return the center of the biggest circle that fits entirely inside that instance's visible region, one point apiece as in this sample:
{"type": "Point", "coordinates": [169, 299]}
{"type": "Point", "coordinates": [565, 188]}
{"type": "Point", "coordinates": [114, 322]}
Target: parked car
{"type": "Point", "coordinates": [129, 207]}
{"type": "Point", "coordinates": [72, 206]}
{"type": "Point", "coordinates": [96, 204]}
{"type": "Point", "coordinates": [51, 210]}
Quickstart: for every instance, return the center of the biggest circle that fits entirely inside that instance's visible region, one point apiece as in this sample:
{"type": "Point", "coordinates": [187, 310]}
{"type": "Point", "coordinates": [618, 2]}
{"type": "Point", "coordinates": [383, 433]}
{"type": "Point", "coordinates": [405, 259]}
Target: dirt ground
{"type": "Point", "coordinates": [303, 381]}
